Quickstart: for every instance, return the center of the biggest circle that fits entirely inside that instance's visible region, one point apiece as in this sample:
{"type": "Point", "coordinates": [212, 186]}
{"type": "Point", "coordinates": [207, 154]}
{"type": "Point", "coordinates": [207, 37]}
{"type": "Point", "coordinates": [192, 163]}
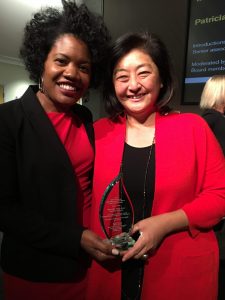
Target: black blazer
{"type": "Point", "coordinates": [37, 194]}
{"type": "Point", "coordinates": [216, 121]}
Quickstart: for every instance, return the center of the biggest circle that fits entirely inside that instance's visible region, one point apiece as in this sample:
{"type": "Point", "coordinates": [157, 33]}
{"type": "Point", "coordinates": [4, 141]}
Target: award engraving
{"type": "Point", "coordinates": [116, 214]}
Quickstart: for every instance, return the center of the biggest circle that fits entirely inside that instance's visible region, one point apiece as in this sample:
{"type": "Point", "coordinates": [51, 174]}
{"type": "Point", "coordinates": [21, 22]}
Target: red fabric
{"type": "Point", "coordinates": [74, 138]}
{"type": "Point", "coordinates": [73, 135]}
{"type": "Point", "coordinates": [19, 289]}
{"type": "Point", "coordinates": [190, 174]}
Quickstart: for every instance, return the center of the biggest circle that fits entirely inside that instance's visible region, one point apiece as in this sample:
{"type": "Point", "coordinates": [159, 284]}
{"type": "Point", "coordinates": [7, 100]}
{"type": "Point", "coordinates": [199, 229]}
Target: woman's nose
{"type": "Point", "coordinates": [72, 72]}
{"type": "Point", "coordinates": [133, 83]}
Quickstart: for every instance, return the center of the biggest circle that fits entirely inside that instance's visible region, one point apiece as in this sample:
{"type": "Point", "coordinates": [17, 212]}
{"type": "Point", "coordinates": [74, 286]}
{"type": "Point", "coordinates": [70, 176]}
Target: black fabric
{"type": "Point", "coordinates": [216, 121]}
{"type": "Point", "coordinates": [38, 195]}
{"type": "Point", "coordinates": [134, 169]}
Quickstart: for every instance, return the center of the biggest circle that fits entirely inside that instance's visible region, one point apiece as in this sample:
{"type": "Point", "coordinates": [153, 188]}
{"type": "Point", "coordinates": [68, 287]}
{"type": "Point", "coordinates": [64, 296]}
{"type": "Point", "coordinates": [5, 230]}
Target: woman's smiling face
{"type": "Point", "coordinates": [137, 82]}
{"type": "Point", "coordinates": [67, 72]}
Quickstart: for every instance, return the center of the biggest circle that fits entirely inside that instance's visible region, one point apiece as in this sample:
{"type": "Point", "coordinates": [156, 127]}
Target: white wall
{"type": "Point", "coordinates": [14, 79]}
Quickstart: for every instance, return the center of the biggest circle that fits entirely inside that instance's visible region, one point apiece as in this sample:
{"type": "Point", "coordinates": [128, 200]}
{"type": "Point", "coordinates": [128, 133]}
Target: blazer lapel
{"type": "Point", "coordinates": [44, 128]}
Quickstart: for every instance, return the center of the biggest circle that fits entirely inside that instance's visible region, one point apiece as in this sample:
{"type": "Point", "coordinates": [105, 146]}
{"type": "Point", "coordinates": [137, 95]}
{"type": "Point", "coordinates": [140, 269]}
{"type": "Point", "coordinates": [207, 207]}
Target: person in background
{"type": "Point", "coordinates": [46, 158]}
{"type": "Point", "coordinates": [213, 105]}
{"type": "Point", "coordinates": [173, 172]}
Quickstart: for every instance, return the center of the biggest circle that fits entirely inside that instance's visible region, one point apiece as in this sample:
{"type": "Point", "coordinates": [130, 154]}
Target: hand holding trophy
{"type": "Point", "coordinates": [116, 214]}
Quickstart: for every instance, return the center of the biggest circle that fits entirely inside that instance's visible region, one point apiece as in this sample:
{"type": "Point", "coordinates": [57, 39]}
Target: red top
{"type": "Point", "coordinates": [73, 135]}
{"type": "Point", "coordinates": [74, 138]}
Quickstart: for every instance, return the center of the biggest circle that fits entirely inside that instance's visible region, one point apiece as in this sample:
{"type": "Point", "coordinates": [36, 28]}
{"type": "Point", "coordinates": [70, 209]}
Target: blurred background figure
{"type": "Point", "coordinates": [213, 105]}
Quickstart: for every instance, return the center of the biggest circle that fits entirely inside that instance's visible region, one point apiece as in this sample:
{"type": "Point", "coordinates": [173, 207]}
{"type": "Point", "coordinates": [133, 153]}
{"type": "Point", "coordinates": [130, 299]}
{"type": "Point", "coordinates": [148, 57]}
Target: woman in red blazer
{"type": "Point", "coordinates": [172, 170]}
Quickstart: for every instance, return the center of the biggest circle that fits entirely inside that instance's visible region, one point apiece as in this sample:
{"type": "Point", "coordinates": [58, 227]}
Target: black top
{"type": "Point", "coordinates": [134, 170]}
{"type": "Point", "coordinates": [216, 121]}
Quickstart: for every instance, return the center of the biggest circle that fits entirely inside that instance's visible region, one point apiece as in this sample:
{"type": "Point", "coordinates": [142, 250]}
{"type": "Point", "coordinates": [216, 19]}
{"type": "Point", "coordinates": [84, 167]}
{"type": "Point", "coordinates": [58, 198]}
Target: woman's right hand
{"type": "Point", "coordinates": [96, 247]}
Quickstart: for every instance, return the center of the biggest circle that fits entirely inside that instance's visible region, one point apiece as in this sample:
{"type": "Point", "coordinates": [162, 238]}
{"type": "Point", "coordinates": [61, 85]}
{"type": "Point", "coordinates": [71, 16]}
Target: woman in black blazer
{"type": "Point", "coordinates": [46, 159]}
{"type": "Point", "coordinates": [213, 105]}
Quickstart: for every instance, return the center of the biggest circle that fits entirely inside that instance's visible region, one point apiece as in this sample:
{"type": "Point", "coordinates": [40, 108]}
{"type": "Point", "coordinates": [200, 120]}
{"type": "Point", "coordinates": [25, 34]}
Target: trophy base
{"type": "Point", "coordinates": [122, 241]}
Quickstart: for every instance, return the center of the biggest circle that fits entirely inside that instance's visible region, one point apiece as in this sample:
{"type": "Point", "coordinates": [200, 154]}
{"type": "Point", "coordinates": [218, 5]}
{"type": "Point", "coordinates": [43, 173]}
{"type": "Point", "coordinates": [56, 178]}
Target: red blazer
{"type": "Point", "coordinates": [190, 174]}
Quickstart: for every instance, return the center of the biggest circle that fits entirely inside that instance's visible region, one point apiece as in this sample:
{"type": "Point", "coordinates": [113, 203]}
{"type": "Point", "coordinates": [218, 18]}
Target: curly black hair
{"type": "Point", "coordinates": [41, 32]}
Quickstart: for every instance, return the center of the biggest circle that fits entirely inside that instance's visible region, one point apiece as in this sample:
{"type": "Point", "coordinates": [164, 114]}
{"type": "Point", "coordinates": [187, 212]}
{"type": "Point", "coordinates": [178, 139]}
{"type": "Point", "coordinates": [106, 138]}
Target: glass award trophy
{"type": "Point", "coordinates": [116, 214]}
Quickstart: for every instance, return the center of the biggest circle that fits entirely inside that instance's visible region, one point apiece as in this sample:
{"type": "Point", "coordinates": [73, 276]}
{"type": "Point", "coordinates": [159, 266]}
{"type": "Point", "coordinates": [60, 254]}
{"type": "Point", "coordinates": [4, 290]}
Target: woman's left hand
{"type": "Point", "coordinates": [152, 232]}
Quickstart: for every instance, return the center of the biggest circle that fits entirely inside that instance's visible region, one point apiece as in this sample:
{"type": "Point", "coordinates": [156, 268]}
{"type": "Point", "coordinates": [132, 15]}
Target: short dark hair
{"type": "Point", "coordinates": [41, 32]}
{"type": "Point", "coordinates": [155, 48]}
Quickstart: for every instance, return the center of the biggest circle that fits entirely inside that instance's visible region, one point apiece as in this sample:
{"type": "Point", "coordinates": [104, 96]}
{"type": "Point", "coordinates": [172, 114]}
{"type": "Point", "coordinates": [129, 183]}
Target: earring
{"type": "Point", "coordinates": [40, 85]}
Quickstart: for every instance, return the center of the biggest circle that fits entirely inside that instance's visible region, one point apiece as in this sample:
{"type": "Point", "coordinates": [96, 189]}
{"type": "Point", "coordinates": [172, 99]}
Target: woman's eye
{"type": "Point", "coordinates": [85, 69]}
{"type": "Point", "coordinates": [144, 74]}
{"type": "Point", "coordinates": [122, 77]}
{"type": "Point", "coordinates": [60, 61]}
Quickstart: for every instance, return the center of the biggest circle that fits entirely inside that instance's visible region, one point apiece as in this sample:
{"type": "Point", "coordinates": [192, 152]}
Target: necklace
{"type": "Point", "coordinates": [145, 178]}
{"type": "Point", "coordinates": [137, 265]}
